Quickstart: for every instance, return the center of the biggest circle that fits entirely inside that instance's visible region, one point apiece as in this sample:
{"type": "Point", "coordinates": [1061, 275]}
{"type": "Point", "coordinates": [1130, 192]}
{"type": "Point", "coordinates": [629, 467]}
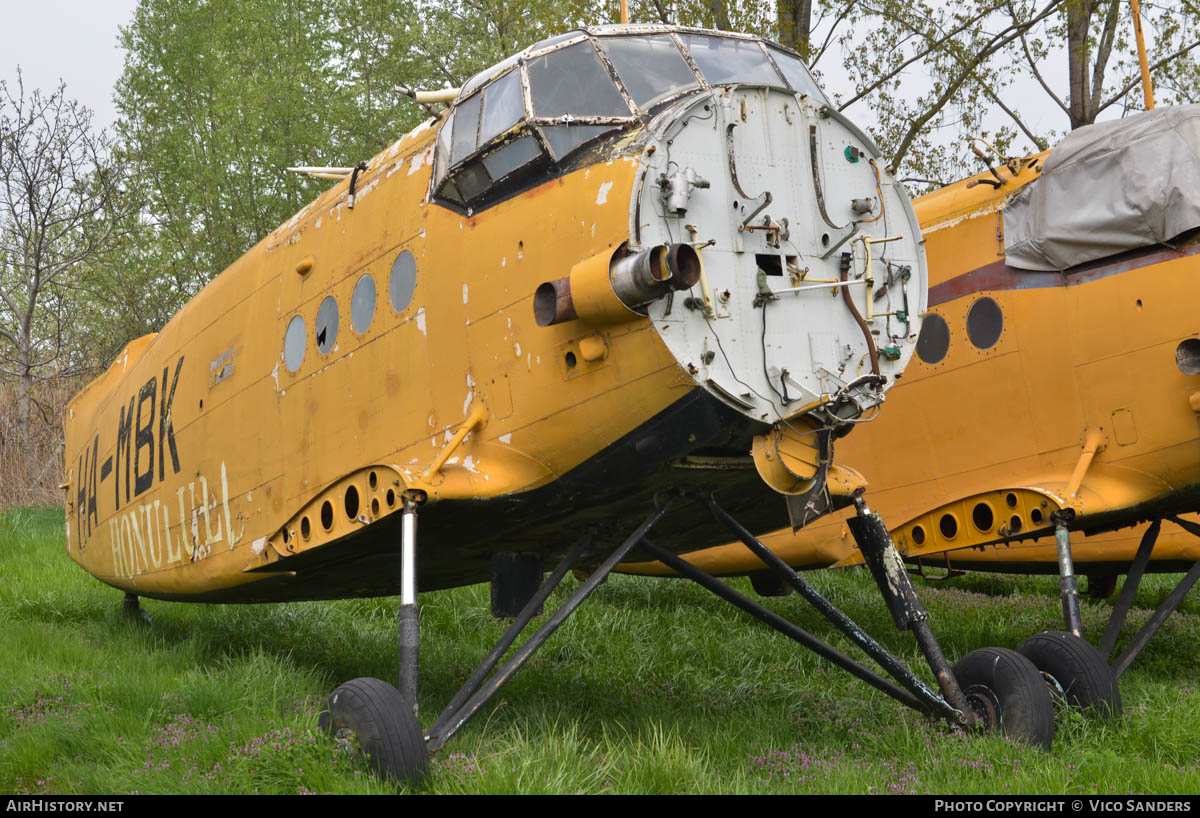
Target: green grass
{"type": "Point", "coordinates": [654, 686]}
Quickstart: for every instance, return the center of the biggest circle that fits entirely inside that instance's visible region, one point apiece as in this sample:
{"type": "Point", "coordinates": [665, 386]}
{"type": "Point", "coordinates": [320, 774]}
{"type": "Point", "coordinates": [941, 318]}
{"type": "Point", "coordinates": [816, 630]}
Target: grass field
{"type": "Point", "coordinates": [654, 686]}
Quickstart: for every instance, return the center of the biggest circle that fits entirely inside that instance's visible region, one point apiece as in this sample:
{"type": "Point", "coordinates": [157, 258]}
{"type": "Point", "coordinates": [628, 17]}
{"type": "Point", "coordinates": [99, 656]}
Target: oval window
{"type": "Point", "coordinates": [934, 340]}
{"type": "Point", "coordinates": [294, 342]}
{"type": "Point", "coordinates": [403, 281]}
{"type": "Point", "coordinates": [985, 322]}
{"type": "Point", "coordinates": [327, 324]}
{"type": "Point", "coordinates": [362, 304]}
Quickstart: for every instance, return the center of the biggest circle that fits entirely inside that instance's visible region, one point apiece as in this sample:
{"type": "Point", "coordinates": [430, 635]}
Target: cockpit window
{"type": "Point", "coordinates": [573, 82]}
{"type": "Point", "coordinates": [562, 139]}
{"type": "Point", "coordinates": [466, 129]}
{"type": "Point", "coordinates": [549, 41]}
{"type": "Point", "coordinates": [527, 118]}
{"type": "Point", "coordinates": [503, 106]}
{"type": "Point", "coordinates": [726, 61]}
{"type": "Point", "coordinates": [514, 155]}
{"type": "Point", "coordinates": [651, 68]}
{"type": "Point", "coordinates": [796, 73]}
{"type": "Point", "coordinates": [483, 76]}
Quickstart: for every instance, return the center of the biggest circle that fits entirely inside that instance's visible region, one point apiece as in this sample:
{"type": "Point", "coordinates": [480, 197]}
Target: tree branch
{"type": "Point", "coordinates": [1052, 6]}
{"type": "Point", "coordinates": [1134, 83]}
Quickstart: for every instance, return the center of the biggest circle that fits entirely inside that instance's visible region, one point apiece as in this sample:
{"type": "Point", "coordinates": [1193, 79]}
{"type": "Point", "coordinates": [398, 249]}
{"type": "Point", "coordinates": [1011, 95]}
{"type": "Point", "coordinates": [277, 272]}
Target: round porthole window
{"type": "Point", "coordinates": [362, 304]}
{"type": "Point", "coordinates": [985, 322]}
{"type": "Point", "coordinates": [327, 324]}
{"type": "Point", "coordinates": [934, 340]}
{"type": "Point", "coordinates": [294, 342]}
{"type": "Point", "coordinates": [403, 281]}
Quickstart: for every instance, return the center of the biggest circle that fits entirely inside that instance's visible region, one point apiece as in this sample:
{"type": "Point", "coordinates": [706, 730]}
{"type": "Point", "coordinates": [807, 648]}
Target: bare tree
{"type": "Point", "coordinates": [59, 194]}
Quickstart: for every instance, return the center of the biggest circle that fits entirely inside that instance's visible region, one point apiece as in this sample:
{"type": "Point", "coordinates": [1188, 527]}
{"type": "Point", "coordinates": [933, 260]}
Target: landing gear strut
{"type": "Point", "coordinates": [370, 717]}
{"type": "Point", "coordinates": [1125, 600]}
{"type": "Point", "coordinates": [994, 689]}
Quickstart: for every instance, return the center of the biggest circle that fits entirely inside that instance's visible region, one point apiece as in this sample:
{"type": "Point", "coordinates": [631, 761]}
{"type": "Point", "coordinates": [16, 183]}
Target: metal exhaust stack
{"type": "Point", "coordinates": [610, 288]}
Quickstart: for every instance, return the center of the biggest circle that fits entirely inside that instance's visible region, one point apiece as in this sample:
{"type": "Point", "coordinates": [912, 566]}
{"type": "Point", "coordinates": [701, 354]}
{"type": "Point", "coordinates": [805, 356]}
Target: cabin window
{"type": "Point", "coordinates": [362, 304]}
{"type": "Point", "coordinates": [934, 341]}
{"type": "Point", "coordinates": [294, 342]}
{"type": "Point", "coordinates": [573, 82]}
{"type": "Point", "coordinates": [403, 281]}
{"type": "Point", "coordinates": [651, 68]}
{"type": "Point", "coordinates": [725, 61]}
{"type": "Point", "coordinates": [985, 323]}
{"type": "Point", "coordinates": [327, 325]}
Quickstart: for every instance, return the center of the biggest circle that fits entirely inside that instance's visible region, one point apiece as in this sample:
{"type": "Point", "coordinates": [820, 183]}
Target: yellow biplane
{"type": "Point", "coordinates": [626, 269]}
{"type": "Point", "coordinates": [1055, 389]}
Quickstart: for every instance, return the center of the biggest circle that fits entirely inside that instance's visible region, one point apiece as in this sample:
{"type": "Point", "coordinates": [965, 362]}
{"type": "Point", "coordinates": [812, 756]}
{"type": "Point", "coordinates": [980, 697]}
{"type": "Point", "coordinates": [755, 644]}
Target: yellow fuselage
{"type": "Point", "coordinates": [1085, 356]}
{"type": "Point", "coordinates": [198, 460]}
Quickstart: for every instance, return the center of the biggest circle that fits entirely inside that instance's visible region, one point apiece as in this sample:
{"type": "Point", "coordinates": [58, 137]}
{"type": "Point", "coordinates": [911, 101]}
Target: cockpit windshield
{"type": "Point", "coordinates": [514, 123]}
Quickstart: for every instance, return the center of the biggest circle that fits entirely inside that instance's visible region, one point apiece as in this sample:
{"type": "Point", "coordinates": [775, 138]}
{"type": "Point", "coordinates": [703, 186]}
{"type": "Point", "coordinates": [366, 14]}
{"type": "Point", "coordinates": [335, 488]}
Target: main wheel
{"type": "Point", "coordinates": [1008, 694]}
{"type": "Point", "coordinates": [1076, 670]}
{"type": "Point", "coordinates": [378, 719]}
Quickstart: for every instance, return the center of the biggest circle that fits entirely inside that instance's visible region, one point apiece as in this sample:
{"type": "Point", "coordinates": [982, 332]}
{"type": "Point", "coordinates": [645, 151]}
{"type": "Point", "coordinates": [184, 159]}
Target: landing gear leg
{"type": "Point", "coordinates": [1074, 671]}
{"type": "Point", "coordinates": [131, 609]}
{"type": "Point", "coordinates": [371, 717]}
{"type": "Point", "coordinates": [1168, 606]}
{"type": "Point", "coordinates": [993, 689]}
{"type": "Point", "coordinates": [1066, 571]}
{"type": "Point", "coordinates": [408, 616]}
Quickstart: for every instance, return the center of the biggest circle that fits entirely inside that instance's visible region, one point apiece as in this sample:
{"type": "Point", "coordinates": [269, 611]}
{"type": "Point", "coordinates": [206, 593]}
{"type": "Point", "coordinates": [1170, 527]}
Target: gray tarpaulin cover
{"type": "Point", "coordinates": [1109, 188]}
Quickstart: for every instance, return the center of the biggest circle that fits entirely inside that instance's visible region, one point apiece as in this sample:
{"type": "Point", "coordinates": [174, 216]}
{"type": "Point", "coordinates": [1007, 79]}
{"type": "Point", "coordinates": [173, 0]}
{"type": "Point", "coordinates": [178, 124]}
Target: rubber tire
{"type": "Point", "coordinates": [1009, 694]}
{"type": "Point", "coordinates": [386, 727]}
{"type": "Point", "coordinates": [769, 584]}
{"type": "Point", "coordinates": [1078, 668]}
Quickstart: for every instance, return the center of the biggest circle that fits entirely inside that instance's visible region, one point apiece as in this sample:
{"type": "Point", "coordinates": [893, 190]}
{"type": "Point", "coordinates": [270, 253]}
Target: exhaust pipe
{"type": "Point", "coordinates": [613, 288]}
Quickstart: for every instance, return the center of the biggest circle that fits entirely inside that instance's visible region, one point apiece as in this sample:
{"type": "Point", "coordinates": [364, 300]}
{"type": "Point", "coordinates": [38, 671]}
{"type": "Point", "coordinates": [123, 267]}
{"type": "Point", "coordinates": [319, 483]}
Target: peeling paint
{"type": "Point", "coordinates": [421, 320]}
{"type": "Point", "coordinates": [421, 159]}
{"type": "Point", "coordinates": [469, 464]}
{"type": "Point", "coordinates": [504, 261]}
{"type": "Point", "coordinates": [505, 438]}
{"type": "Point", "coordinates": [464, 293]}
{"type": "Point", "coordinates": [517, 347]}
{"type": "Point", "coordinates": [259, 545]}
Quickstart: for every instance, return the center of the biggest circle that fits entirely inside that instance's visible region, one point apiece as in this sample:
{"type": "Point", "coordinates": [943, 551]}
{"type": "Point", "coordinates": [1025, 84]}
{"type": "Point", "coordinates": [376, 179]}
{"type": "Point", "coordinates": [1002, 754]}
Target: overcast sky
{"type": "Point", "coordinates": [76, 41]}
{"type": "Point", "coordinates": [71, 40]}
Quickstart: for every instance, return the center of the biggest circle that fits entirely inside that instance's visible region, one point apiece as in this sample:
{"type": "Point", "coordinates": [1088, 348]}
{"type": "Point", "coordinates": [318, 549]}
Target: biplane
{"type": "Point", "coordinates": [1048, 423]}
{"type": "Point", "coordinates": [629, 269]}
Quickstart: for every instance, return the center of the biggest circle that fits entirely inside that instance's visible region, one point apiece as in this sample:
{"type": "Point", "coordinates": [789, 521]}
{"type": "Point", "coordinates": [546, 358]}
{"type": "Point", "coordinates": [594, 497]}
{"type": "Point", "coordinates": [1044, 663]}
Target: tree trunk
{"type": "Point", "coordinates": [1080, 104]}
{"type": "Point", "coordinates": [720, 14]}
{"type": "Point", "coordinates": [795, 21]}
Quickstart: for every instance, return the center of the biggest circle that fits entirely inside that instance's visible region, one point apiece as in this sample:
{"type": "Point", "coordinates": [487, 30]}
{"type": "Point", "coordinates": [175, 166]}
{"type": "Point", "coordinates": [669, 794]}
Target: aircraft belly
{"type": "Point", "coordinates": [611, 491]}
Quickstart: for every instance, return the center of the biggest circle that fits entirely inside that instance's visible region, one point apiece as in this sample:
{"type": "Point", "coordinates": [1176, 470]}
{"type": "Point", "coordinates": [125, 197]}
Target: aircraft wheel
{"type": "Point", "coordinates": [1075, 671]}
{"type": "Point", "coordinates": [1008, 694]}
{"type": "Point", "coordinates": [374, 718]}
